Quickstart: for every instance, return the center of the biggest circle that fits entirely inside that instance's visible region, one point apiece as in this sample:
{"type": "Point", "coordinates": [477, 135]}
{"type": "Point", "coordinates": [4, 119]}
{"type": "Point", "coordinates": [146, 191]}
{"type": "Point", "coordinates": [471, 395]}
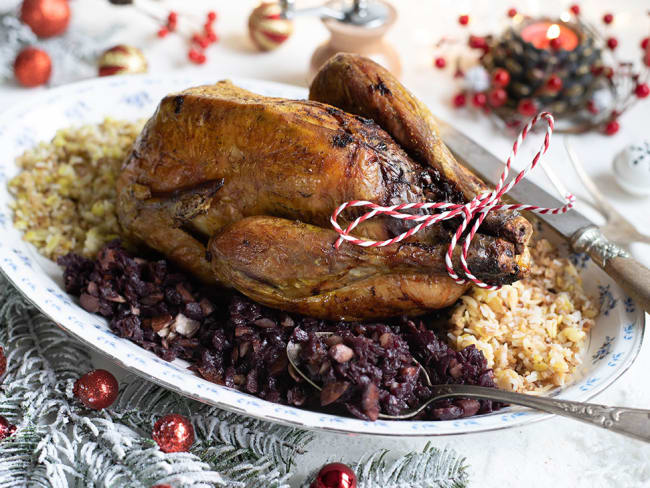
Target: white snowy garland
{"type": "Point", "coordinates": [60, 443]}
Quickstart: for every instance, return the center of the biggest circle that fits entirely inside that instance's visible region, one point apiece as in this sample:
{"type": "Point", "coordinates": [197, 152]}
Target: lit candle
{"type": "Point", "coordinates": [540, 35]}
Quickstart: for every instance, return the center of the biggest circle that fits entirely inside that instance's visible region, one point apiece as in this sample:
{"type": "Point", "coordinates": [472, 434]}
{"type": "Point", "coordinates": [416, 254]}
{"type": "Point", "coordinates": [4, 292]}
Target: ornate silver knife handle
{"type": "Point", "coordinates": [631, 422]}
{"type": "Point", "coordinates": [631, 275]}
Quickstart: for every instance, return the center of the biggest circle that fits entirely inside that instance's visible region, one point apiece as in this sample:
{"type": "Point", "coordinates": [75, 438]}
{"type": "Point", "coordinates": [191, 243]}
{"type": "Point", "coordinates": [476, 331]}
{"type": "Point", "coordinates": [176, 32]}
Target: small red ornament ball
{"type": "Point", "coordinates": [173, 433]}
{"type": "Point", "coordinates": [335, 475]}
{"type": "Point", "coordinates": [500, 77]}
{"type": "Point", "coordinates": [612, 127]}
{"type": "Point", "coordinates": [612, 43]}
{"type": "Point", "coordinates": [6, 429]}
{"type": "Point", "coordinates": [555, 43]}
{"type": "Point", "coordinates": [3, 362]}
{"type": "Point", "coordinates": [554, 83]}
{"type": "Point", "coordinates": [440, 62]}
{"type": "Point", "coordinates": [527, 107]}
{"type": "Point", "coordinates": [497, 97]}
{"type": "Point", "coordinates": [97, 389]}
{"type": "Point", "coordinates": [460, 100]}
{"type": "Point", "coordinates": [47, 18]}
{"type": "Point", "coordinates": [608, 18]}
{"type": "Point", "coordinates": [642, 90]}
{"type": "Point", "coordinates": [512, 12]}
{"type": "Point", "coordinates": [575, 9]}
{"type": "Point", "coordinates": [32, 67]}
{"type": "Point", "coordinates": [463, 19]}
{"type": "Point", "coordinates": [645, 42]}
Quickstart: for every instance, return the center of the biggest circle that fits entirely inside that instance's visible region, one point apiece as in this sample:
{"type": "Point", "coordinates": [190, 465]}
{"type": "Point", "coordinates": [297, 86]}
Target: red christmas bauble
{"type": "Point", "coordinates": [173, 433]}
{"type": "Point", "coordinates": [463, 19]}
{"type": "Point", "coordinates": [97, 389]}
{"type": "Point", "coordinates": [47, 18]}
{"type": "Point", "coordinates": [575, 9]}
{"type": "Point", "coordinates": [335, 475]}
{"type": "Point", "coordinates": [122, 59]}
{"type": "Point", "coordinates": [527, 107]}
{"type": "Point", "coordinates": [6, 429]}
{"type": "Point", "coordinates": [500, 77]}
{"type": "Point", "coordinates": [3, 362]}
{"type": "Point", "coordinates": [32, 67]}
{"type": "Point", "coordinates": [645, 42]}
{"type": "Point", "coordinates": [441, 62]}
{"type": "Point", "coordinates": [612, 43]}
{"type": "Point", "coordinates": [267, 28]}
{"type": "Point", "coordinates": [512, 12]}
{"type": "Point", "coordinates": [608, 18]}
{"type": "Point", "coordinates": [642, 90]}
{"type": "Point", "coordinates": [497, 97]}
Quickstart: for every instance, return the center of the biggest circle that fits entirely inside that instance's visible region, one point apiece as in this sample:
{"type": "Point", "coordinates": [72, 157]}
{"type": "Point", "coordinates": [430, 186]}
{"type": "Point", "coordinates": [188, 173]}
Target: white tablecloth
{"type": "Point", "coordinates": [556, 452]}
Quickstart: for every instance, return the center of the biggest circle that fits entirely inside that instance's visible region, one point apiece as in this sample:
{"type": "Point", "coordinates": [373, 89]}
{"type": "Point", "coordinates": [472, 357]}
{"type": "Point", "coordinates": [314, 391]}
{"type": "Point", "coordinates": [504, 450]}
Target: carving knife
{"type": "Point", "coordinates": [579, 231]}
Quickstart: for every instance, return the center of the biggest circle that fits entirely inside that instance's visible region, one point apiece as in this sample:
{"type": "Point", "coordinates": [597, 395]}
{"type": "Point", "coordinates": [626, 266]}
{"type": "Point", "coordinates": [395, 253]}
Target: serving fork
{"type": "Point", "coordinates": [616, 228]}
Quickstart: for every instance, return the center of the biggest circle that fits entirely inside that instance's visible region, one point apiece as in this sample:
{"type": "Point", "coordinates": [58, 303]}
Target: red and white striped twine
{"type": "Point", "coordinates": [475, 210]}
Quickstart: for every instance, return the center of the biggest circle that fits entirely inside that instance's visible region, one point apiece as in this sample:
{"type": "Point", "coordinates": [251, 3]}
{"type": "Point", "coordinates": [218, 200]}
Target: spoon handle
{"type": "Point", "coordinates": [632, 422]}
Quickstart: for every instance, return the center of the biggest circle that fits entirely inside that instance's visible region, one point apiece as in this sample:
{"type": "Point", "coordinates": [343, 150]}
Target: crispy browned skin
{"type": "Point", "coordinates": [360, 86]}
{"type": "Point", "coordinates": [213, 159]}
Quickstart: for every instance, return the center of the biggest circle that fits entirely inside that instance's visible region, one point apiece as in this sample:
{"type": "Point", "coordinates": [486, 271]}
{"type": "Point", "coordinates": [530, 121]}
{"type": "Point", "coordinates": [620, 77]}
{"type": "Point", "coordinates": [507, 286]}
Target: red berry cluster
{"type": "Point", "coordinates": [170, 26]}
{"type": "Point", "coordinates": [495, 97]}
{"type": "Point", "coordinates": [201, 40]}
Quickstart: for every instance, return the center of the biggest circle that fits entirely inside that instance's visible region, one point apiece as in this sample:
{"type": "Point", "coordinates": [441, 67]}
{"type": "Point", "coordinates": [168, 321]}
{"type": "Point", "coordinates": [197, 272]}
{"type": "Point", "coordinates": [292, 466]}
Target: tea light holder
{"type": "Point", "coordinates": [551, 63]}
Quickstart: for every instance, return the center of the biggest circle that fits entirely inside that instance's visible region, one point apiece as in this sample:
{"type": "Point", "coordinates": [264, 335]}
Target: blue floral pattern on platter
{"type": "Point", "coordinates": [614, 343]}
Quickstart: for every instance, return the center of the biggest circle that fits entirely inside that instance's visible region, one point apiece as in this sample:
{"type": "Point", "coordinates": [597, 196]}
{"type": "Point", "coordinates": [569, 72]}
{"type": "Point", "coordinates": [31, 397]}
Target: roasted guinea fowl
{"type": "Point", "coordinates": [238, 189]}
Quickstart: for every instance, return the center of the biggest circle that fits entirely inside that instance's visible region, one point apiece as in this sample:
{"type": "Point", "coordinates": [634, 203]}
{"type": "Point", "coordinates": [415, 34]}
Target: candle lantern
{"type": "Point", "coordinates": [552, 65]}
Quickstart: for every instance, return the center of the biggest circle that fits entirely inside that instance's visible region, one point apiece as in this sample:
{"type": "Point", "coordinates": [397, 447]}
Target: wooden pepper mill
{"type": "Point", "coordinates": [356, 27]}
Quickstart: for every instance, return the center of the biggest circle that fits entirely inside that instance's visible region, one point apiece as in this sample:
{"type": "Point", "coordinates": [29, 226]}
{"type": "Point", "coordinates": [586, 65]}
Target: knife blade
{"type": "Point", "coordinates": [578, 230]}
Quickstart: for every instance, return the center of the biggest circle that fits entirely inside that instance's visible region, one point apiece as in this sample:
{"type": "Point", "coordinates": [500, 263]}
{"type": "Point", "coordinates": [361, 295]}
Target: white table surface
{"type": "Point", "coordinates": [555, 452]}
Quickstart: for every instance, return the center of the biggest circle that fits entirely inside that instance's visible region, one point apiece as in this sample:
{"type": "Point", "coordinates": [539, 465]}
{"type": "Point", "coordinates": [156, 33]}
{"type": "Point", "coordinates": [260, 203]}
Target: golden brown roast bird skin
{"type": "Point", "coordinates": [258, 179]}
{"type": "Point", "coordinates": [360, 86]}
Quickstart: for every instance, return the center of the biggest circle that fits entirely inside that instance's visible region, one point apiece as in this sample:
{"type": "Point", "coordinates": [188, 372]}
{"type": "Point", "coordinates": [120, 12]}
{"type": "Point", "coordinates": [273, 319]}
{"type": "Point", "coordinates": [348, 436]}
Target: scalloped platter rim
{"type": "Point", "coordinates": [613, 344]}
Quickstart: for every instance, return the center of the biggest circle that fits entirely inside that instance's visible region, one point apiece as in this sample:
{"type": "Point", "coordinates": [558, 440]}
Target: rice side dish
{"type": "Point", "coordinates": [65, 193]}
{"type": "Point", "coordinates": [532, 332]}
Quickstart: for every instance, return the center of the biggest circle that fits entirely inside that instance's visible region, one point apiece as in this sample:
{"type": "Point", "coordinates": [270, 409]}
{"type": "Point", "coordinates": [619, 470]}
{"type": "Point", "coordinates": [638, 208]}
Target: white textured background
{"type": "Point", "coordinates": [556, 452]}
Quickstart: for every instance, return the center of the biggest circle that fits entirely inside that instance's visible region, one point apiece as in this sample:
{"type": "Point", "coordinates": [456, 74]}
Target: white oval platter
{"type": "Point", "coordinates": [613, 345]}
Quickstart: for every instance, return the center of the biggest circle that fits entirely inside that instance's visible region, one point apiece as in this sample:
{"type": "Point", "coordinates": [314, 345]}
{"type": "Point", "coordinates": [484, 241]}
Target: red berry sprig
{"type": "Point", "coordinates": [201, 41]}
{"type": "Point", "coordinates": [460, 100]}
{"type": "Point", "coordinates": [512, 12]}
{"type": "Point", "coordinates": [554, 83]}
{"type": "Point", "coordinates": [500, 77]}
{"type": "Point", "coordinates": [612, 43]}
{"type": "Point", "coordinates": [642, 90]}
{"type": "Point", "coordinates": [608, 18]}
{"type": "Point", "coordinates": [575, 9]}
{"type": "Point", "coordinates": [612, 127]}
{"type": "Point", "coordinates": [463, 20]}
{"type": "Point", "coordinates": [440, 62]}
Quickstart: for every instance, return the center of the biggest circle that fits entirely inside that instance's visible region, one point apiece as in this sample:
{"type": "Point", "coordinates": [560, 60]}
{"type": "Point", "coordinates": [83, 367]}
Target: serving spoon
{"type": "Point", "coordinates": [632, 422]}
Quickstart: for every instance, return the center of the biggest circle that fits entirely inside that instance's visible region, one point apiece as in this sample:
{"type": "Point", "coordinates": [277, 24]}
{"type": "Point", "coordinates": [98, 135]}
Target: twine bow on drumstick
{"type": "Point", "coordinates": [474, 210]}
